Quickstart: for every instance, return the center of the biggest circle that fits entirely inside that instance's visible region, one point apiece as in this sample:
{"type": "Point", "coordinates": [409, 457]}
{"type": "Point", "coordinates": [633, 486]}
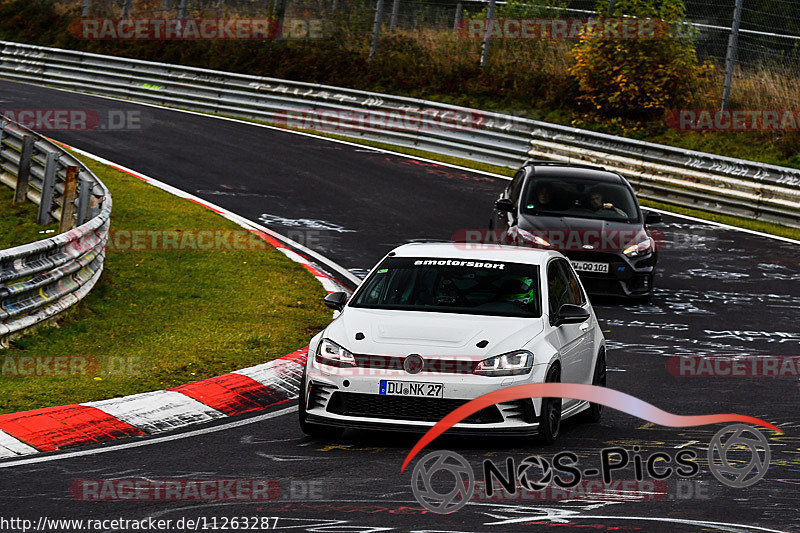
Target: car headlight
{"type": "Point", "coordinates": [330, 353]}
{"type": "Point", "coordinates": [642, 247]}
{"type": "Point", "coordinates": [508, 364]}
{"type": "Point", "coordinates": [530, 237]}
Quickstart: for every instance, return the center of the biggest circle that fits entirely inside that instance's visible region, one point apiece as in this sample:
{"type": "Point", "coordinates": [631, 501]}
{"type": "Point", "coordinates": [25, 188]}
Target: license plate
{"type": "Point", "coordinates": [588, 266]}
{"type": "Point", "coordinates": [409, 388]}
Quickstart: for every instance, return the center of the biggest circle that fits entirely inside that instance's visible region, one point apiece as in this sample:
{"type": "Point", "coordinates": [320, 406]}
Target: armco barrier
{"type": "Point", "coordinates": [41, 279]}
{"type": "Point", "coordinates": [694, 179]}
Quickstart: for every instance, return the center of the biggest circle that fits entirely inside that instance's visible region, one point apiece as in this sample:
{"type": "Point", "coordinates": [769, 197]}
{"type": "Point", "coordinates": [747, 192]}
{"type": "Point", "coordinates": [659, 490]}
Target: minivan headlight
{"type": "Point", "coordinates": [330, 353]}
{"type": "Point", "coordinates": [642, 247]}
{"type": "Point", "coordinates": [508, 364]}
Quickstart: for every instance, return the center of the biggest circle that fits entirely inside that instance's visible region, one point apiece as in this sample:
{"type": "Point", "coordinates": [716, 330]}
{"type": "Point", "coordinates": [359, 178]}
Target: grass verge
{"type": "Point", "coordinates": [18, 222]}
{"type": "Point", "coordinates": [160, 318]}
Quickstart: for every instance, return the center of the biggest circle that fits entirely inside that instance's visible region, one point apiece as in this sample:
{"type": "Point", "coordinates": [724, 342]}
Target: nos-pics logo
{"type": "Point", "coordinates": [443, 481]}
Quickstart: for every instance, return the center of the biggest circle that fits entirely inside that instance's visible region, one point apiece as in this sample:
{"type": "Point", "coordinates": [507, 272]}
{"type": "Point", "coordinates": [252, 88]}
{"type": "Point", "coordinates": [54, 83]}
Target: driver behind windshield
{"type": "Point", "coordinates": [594, 202]}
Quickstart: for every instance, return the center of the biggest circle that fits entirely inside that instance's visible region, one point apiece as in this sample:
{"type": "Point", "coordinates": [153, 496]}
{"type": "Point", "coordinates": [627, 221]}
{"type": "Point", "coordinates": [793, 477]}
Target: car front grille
{"type": "Point", "coordinates": [463, 365]}
{"type": "Point", "coordinates": [405, 408]}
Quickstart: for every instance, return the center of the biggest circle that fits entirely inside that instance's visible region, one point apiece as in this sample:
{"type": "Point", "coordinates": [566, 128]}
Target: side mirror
{"type": "Point", "coordinates": [336, 300]}
{"type": "Point", "coordinates": [504, 205]}
{"type": "Point", "coordinates": [571, 314]}
{"type": "Point", "coordinates": [651, 217]}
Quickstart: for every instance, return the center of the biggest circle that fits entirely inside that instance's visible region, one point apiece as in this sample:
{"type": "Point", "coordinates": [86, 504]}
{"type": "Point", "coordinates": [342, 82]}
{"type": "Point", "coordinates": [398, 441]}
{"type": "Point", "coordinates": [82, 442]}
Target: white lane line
{"type": "Point", "coordinates": [157, 411]}
{"type": "Point", "coordinates": [11, 447]}
{"type": "Point", "coordinates": [147, 442]}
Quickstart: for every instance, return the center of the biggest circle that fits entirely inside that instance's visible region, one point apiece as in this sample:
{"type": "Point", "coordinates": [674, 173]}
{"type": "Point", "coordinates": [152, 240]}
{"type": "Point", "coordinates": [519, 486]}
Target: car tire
{"type": "Point", "coordinates": [313, 430]}
{"type": "Point", "coordinates": [550, 417]}
{"type": "Point", "coordinates": [595, 411]}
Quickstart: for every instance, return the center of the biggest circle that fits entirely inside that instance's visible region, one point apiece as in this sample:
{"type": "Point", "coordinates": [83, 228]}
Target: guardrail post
{"type": "Point", "coordinates": [87, 5]}
{"type": "Point", "coordinates": [48, 188]}
{"type": "Point", "coordinates": [486, 39]}
{"type": "Point", "coordinates": [730, 56]}
{"type": "Point", "coordinates": [376, 31]}
{"type": "Point", "coordinates": [85, 187]}
{"type": "Point", "coordinates": [68, 199]}
{"type": "Point", "coordinates": [182, 7]}
{"type": "Point", "coordinates": [24, 172]}
{"type": "Point", "coordinates": [395, 14]}
{"type": "Point", "coordinates": [2, 134]}
{"type": "Point", "coordinates": [459, 14]}
{"type": "Point", "coordinates": [126, 9]}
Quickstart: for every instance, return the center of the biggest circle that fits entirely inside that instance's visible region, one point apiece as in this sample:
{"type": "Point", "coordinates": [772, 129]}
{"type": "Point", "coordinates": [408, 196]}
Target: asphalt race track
{"type": "Point", "coordinates": [719, 292]}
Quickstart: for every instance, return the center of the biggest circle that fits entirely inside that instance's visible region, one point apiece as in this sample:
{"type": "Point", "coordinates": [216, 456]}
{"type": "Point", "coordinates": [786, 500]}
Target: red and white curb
{"type": "Point", "coordinates": [149, 413]}
{"type": "Point", "coordinates": [242, 391]}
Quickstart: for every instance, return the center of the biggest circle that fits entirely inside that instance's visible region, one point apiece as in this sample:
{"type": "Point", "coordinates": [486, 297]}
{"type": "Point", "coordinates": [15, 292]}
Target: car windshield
{"type": "Point", "coordinates": [471, 286]}
{"type": "Point", "coordinates": [580, 198]}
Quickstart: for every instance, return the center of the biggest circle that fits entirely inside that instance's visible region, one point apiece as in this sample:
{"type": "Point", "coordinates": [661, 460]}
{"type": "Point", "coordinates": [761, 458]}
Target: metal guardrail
{"type": "Point", "coordinates": [43, 278]}
{"type": "Point", "coordinates": [661, 173]}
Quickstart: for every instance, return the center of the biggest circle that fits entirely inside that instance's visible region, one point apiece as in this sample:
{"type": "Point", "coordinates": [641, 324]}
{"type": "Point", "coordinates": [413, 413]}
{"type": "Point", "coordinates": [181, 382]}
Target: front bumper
{"type": "Point", "coordinates": [352, 401]}
{"type": "Point", "coordinates": [626, 276]}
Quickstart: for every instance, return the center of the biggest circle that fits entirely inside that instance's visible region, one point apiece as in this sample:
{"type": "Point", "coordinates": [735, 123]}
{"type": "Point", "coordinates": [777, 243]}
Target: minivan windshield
{"type": "Point", "coordinates": [580, 198]}
{"type": "Point", "coordinates": [473, 286]}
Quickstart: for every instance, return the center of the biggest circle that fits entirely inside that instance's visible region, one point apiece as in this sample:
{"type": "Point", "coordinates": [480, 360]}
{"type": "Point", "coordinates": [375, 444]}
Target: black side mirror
{"type": "Point", "coordinates": [651, 217]}
{"type": "Point", "coordinates": [571, 314]}
{"type": "Point", "coordinates": [505, 205]}
{"type": "Point", "coordinates": [336, 300]}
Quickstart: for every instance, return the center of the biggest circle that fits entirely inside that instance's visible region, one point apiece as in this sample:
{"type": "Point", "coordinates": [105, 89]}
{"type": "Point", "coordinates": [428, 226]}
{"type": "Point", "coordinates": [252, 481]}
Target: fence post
{"type": "Point", "coordinates": [85, 186]}
{"type": "Point", "coordinates": [68, 199]}
{"type": "Point", "coordinates": [48, 188]}
{"type": "Point", "coordinates": [24, 172]}
{"type": "Point", "coordinates": [126, 9]}
{"type": "Point", "coordinates": [611, 8]}
{"type": "Point", "coordinates": [395, 14]}
{"type": "Point", "coordinates": [333, 6]}
{"type": "Point", "coordinates": [730, 56]}
{"type": "Point", "coordinates": [459, 14]}
{"type": "Point", "coordinates": [182, 9]}
{"type": "Point", "coordinates": [376, 30]}
{"type": "Point", "coordinates": [486, 40]}
{"type": "Point", "coordinates": [87, 5]}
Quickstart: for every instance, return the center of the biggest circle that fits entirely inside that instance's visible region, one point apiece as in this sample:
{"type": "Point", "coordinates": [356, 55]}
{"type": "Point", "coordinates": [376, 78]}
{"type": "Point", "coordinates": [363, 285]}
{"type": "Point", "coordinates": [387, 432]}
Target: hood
{"type": "Point", "coordinates": [570, 233]}
{"type": "Point", "coordinates": [399, 333]}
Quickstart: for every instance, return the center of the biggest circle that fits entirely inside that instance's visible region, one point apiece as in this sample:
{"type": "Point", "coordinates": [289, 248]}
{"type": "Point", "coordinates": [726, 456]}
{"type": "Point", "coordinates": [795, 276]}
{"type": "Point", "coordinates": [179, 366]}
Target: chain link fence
{"type": "Point", "coordinates": [763, 59]}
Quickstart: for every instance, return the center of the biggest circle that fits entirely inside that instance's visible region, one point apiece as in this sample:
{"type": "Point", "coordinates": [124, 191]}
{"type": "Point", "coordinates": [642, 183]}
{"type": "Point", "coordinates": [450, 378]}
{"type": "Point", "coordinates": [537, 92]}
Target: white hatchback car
{"type": "Point", "coordinates": [436, 325]}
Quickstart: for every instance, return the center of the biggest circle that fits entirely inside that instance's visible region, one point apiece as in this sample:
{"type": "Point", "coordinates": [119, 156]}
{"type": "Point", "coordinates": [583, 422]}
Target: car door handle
{"type": "Point", "coordinates": [584, 326]}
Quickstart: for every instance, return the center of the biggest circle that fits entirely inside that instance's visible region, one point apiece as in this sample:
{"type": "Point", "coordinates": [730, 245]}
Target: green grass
{"type": "Point", "coordinates": [158, 319]}
{"type": "Point", "coordinates": [18, 222]}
